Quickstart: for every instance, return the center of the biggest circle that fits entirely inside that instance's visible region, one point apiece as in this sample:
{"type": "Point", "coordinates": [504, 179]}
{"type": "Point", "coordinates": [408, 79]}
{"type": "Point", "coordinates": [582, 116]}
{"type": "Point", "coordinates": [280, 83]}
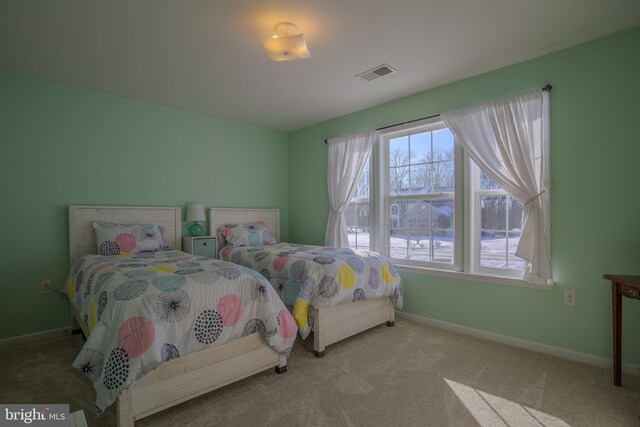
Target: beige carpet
{"type": "Point", "coordinates": [408, 375]}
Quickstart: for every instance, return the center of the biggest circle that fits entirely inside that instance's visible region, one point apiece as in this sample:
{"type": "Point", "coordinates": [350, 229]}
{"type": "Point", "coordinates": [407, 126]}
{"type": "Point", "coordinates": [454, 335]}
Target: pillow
{"type": "Point", "coordinates": [115, 239]}
{"type": "Point", "coordinates": [252, 234]}
{"type": "Point", "coordinates": [221, 240]}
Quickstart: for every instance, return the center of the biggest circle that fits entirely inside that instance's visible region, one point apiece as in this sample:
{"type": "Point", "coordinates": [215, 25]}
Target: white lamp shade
{"type": "Point", "coordinates": [286, 48]}
{"type": "Point", "coordinates": [195, 212]}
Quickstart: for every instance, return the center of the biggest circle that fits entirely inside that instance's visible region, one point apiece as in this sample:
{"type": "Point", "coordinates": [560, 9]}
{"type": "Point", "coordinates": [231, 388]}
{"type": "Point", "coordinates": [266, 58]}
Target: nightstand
{"type": "Point", "coordinates": [200, 245]}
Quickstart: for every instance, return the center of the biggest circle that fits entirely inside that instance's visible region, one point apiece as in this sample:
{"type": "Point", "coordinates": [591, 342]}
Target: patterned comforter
{"type": "Point", "coordinates": [147, 308]}
{"type": "Point", "coordinates": [309, 277]}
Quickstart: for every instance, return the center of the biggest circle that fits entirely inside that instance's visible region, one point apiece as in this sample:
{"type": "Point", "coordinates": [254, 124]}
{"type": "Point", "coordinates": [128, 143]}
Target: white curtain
{"type": "Point", "coordinates": [347, 158]}
{"type": "Point", "coordinates": [509, 139]}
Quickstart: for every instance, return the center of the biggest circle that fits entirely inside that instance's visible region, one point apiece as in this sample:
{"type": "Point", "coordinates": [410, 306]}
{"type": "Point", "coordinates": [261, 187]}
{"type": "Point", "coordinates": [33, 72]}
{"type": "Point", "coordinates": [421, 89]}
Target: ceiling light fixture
{"type": "Point", "coordinates": [287, 43]}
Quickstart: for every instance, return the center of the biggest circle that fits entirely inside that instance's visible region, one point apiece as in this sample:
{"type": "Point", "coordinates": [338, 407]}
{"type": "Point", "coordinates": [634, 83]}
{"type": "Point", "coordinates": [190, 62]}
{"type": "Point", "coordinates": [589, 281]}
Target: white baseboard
{"type": "Point", "coordinates": [564, 353]}
{"type": "Point", "coordinates": [36, 336]}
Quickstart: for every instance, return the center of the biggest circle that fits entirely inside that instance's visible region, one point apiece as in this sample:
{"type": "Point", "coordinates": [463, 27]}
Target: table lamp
{"type": "Point", "coordinates": [195, 213]}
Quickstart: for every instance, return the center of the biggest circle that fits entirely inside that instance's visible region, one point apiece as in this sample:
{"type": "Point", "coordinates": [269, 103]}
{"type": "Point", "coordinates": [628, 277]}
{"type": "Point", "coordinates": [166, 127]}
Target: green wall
{"type": "Point", "coordinates": [61, 145]}
{"type": "Point", "coordinates": [595, 200]}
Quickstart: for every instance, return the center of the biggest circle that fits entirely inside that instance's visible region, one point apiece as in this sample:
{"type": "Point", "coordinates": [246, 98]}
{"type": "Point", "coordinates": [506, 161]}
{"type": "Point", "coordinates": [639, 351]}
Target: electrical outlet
{"type": "Point", "coordinates": [45, 287]}
{"type": "Point", "coordinates": [569, 297]}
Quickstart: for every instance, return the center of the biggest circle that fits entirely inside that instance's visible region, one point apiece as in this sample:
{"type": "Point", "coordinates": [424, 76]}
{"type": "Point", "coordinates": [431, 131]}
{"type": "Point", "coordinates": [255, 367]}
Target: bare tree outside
{"type": "Point", "coordinates": [398, 169]}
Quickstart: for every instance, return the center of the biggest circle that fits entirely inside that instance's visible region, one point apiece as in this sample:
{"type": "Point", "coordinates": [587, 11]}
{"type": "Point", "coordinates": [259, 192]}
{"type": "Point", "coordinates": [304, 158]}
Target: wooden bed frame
{"type": "Point", "coordinates": [331, 324]}
{"type": "Point", "coordinates": [191, 375]}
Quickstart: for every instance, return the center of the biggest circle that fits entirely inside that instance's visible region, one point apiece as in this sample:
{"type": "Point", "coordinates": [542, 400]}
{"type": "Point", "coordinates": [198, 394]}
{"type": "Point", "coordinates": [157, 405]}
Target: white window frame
{"type": "Point", "coordinates": [473, 224]}
{"type": "Point", "coordinates": [463, 266]}
{"type": "Point", "coordinates": [383, 197]}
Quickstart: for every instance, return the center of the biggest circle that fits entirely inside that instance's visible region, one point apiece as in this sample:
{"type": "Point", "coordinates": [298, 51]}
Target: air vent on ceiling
{"type": "Point", "coordinates": [376, 72]}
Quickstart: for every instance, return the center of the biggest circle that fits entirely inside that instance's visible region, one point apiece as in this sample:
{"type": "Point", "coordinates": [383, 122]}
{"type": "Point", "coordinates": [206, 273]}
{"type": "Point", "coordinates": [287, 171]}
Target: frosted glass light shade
{"type": "Point", "coordinates": [195, 212]}
{"type": "Point", "coordinates": [285, 48]}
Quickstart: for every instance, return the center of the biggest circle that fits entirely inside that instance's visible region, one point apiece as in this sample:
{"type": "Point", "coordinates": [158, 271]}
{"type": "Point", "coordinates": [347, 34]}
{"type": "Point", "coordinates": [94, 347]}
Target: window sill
{"type": "Point", "coordinates": [510, 281]}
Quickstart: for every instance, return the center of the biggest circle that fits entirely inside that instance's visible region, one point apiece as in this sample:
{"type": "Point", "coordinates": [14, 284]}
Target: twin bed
{"type": "Point", "coordinates": [111, 363]}
{"type": "Point", "coordinates": [336, 293]}
{"type": "Point", "coordinates": [164, 343]}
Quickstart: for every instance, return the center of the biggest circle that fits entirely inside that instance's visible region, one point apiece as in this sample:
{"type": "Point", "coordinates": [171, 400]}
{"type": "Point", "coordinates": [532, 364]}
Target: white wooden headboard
{"type": "Point", "coordinates": [221, 216]}
{"type": "Point", "coordinates": [82, 238]}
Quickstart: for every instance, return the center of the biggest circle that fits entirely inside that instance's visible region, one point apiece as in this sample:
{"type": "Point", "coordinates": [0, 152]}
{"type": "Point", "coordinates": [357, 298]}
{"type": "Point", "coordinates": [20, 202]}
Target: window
{"type": "Point", "coordinates": [419, 171]}
{"type": "Point", "coordinates": [495, 224]}
{"type": "Point", "coordinates": [420, 179]}
{"type": "Point", "coordinates": [358, 213]}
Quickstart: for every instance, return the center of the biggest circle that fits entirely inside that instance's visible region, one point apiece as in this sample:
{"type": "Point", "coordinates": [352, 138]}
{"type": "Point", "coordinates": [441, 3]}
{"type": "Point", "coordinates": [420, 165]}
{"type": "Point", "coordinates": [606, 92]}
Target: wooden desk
{"type": "Point", "coordinates": [629, 286]}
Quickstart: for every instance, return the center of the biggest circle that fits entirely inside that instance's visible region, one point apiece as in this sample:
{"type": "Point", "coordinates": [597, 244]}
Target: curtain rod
{"type": "Point", "coordinates": [547, 88]}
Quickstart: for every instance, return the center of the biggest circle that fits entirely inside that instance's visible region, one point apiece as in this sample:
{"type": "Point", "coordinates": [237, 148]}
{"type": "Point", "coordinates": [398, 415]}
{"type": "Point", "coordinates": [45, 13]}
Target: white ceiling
{"type": "Point", "coordinates": [206, 56]}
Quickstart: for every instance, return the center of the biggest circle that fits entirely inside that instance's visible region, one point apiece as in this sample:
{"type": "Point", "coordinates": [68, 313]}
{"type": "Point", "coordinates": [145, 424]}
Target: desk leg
{"type": "Point", "coordinates": [616, 300]}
